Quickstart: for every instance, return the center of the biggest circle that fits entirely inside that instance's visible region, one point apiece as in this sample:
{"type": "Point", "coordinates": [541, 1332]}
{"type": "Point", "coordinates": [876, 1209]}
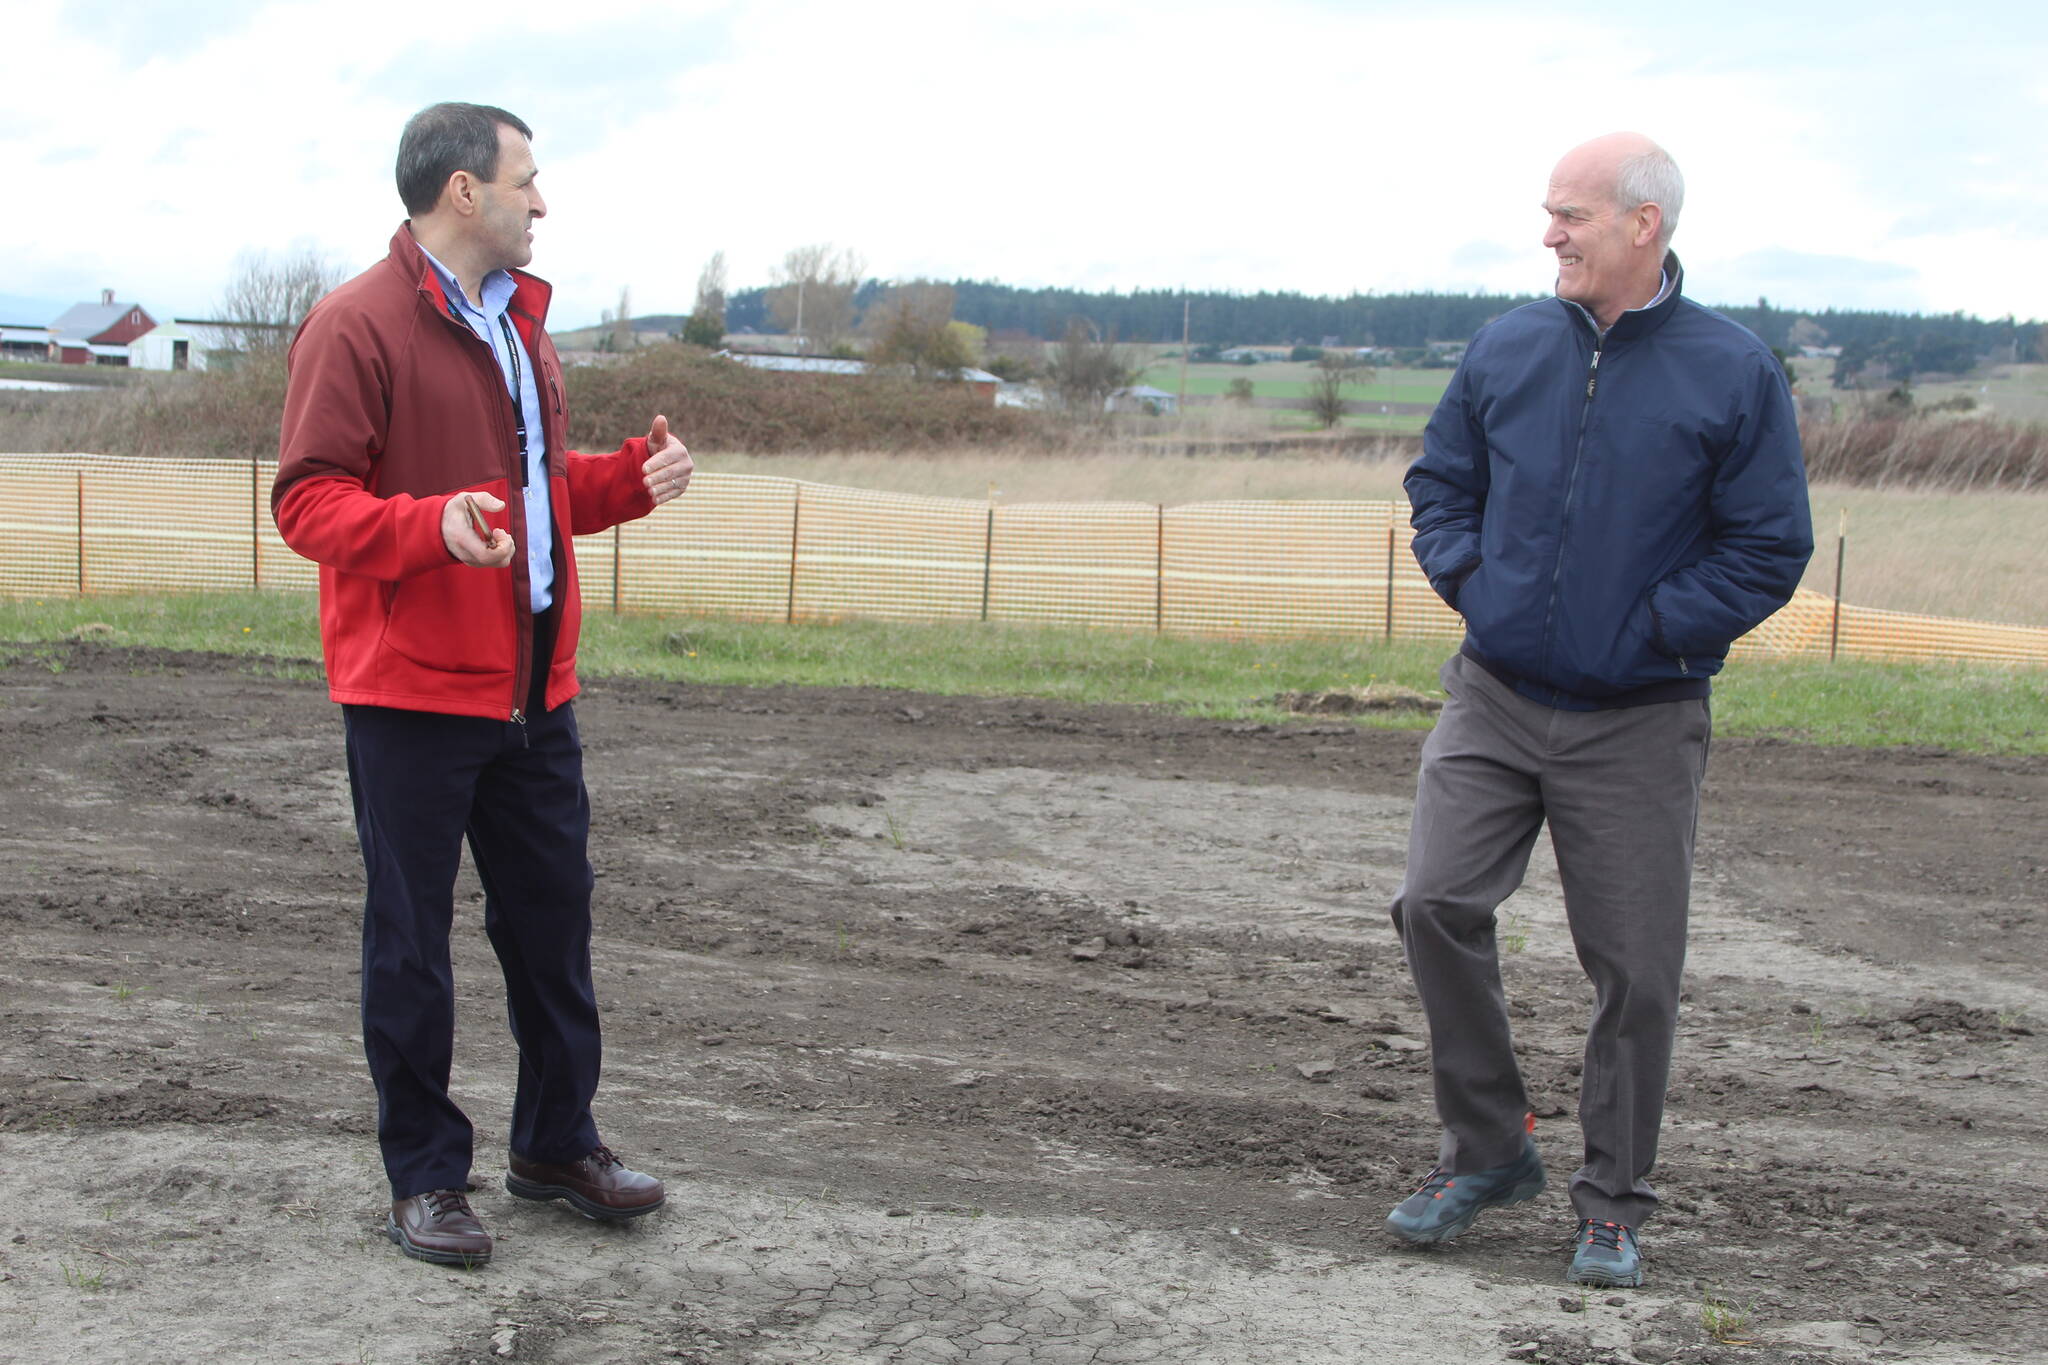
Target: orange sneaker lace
{"type": "Point", "coordinates": [1606, 1236]}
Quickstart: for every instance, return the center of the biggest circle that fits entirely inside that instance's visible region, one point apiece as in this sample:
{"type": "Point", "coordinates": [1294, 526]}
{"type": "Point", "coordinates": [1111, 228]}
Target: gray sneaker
{"type": "Point", "coordinates": [1446, 1204]}
{"type": "Point", "coordinates": [1607, 1255]}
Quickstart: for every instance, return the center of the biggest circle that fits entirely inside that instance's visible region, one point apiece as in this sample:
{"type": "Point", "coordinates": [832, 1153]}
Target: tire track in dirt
{"type": "Point", "coordinates": [989, 1030]}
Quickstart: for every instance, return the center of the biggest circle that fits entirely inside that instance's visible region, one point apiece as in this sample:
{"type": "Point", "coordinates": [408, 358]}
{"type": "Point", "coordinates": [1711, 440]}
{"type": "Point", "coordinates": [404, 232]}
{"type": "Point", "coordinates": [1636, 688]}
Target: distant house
{"type": "Point", "coordinates": [983, 383]}
{"type": "Point", "coordinates": [796, 364]}
{"type": "Point", "coordinates": [1028, 396]}
{"type": "Point", "coordinates": [99, 333]}
{"type": "Point", "coordinates": [1142, 398]}
{"type": "Point", "coordinates": [20, 341]}
{"type": "Point", "coordinates": [218, 343]}
{"type": "Point", "coordinates": [1246, 355]}
{"type": "Point", "coordinates": [167, 346]}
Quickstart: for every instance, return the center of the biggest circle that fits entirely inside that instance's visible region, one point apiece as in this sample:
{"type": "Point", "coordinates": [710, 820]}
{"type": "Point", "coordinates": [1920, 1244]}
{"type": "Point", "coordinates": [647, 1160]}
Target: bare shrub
{"type": "Point", "coordinates": [268, 297]}
{"type": "Point", "coordinates": [1085, 368]}
{"type": "Point", "coordinates": [718, 405]}
{"type": "Point", "coordinates": [233, 411]}
{"type": "Point", "coordinates": [912, 325]}
{"type": "Point", "coordinates": [1333, 370]}
{"type": "Point", "coordinates": [813, 297]}
{"type": "Point", "coordinates": [706, 326]}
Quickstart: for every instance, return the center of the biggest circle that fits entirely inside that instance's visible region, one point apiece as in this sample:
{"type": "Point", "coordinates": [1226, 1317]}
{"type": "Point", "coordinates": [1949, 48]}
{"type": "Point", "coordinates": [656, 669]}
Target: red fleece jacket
{"type": "Point", "coordinates": [393, 406]}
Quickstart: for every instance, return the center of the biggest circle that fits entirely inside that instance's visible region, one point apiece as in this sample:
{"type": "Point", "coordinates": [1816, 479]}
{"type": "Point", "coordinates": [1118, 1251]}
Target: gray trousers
{"type": "Point", "coordinates": [1620, 790]}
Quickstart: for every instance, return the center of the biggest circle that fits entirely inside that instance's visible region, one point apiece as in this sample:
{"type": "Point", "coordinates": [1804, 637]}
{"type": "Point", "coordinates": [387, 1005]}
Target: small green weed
{"type": "Point", "coordinates": [79, 1278]}
{"type": "Point", "coordinates": [1514, 935]}
{"type": "Point", "coordinates": [1725, 1322]}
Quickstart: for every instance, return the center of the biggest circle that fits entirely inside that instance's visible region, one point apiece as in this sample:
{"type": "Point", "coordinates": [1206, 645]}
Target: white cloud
{"type": "Point", "coordinates": [1291, 145]}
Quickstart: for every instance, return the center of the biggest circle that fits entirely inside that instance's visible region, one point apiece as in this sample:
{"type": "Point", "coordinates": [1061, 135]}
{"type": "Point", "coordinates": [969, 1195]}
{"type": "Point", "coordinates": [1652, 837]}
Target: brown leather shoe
{"type": "Point", "coordinates": [438, 1226]}
{"type": "Point", "coordinates": [596, 1186]}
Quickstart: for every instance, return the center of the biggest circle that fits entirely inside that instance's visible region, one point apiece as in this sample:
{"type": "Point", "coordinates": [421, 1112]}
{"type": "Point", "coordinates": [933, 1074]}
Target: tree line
{"type": "Point", "coordinates": [1922, 342]}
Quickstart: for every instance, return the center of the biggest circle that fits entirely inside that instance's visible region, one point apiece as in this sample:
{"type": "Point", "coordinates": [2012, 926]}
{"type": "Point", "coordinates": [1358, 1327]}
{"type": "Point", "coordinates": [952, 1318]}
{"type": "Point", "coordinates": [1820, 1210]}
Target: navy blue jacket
{"type": "Point", "coordinates": [1609, 514]}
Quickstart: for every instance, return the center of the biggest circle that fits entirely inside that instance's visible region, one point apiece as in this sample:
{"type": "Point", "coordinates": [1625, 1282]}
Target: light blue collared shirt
{"type": "Point", "coordinates": [495, 330]}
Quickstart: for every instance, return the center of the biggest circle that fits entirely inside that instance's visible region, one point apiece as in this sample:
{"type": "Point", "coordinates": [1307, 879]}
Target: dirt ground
{"type": "Point", "coordinates": [991, 1031]}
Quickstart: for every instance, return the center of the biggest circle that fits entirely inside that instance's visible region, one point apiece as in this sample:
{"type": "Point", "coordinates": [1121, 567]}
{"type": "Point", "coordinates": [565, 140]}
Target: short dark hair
{"type": "Point", "coordinates": [442, 139]}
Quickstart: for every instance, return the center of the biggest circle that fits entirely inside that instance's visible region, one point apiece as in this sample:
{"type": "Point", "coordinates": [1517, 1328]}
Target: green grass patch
{"type": "Point", "coordinates": [1973, 708]}
{"type": "Point", "coordinates": [1223, 678]}
{"type": "Point", "coordinates": [1977, 708]}
{"type": "Point", "coordinates": [281, 626]}
{"type": "Point", "coordinates": [1290, 380]}
{"type": "Point", "coordinates": [1278, 379]}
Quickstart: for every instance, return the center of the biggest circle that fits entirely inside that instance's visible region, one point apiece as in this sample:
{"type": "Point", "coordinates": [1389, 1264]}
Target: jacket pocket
{"type": "Point", "coordinates": [452, 620]}
{"type": "Point", "coordinates": [1641, 654]}
{"type": "Point", "coordinates": [1453, 591]}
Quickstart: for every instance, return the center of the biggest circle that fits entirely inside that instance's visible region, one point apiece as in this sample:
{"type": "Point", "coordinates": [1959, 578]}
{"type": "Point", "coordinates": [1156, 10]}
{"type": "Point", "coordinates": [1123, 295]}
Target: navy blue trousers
{"type": "Point", "coordinates": [422, 783]}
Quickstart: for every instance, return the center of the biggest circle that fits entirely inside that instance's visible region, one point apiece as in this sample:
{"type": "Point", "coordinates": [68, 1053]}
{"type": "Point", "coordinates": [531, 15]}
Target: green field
{"type": "Point", "coordinates": [1287, 379]}
{"type": "Point", "coordinates": [2013, 393]}
{"type": "Point", "coordinates": [1977, 708]}
{"type": "Point", "coordinates": [1290, 379]}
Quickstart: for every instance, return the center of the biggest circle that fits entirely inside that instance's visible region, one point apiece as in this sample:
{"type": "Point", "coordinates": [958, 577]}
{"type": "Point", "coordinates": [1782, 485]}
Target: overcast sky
{"type": "Point", "coordinates": [1859, 155]}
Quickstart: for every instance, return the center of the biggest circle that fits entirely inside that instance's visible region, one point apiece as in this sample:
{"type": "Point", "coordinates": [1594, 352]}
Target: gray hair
{"type": "Point", "coordinates": [1651, 178]}
{"type": "Point", "coordinates": [442, 139]}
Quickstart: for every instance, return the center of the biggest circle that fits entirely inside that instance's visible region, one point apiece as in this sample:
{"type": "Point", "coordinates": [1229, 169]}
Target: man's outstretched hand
{"type": "Point", "coordinates": [469, 538]}
{"type": "Point", "coordinates": [668, 468]}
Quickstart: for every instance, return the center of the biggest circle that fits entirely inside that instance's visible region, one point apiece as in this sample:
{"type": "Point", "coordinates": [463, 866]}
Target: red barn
{"type": "Point", "coordinates": [99, 333]}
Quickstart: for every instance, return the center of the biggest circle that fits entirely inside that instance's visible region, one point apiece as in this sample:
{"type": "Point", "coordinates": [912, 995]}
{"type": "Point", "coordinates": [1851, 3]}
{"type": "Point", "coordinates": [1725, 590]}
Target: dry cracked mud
{"type": "Point", "coordinates": [991, 1031]}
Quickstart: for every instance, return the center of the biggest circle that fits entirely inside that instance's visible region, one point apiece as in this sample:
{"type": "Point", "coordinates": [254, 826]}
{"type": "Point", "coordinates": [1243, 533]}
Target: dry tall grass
{"type": "Point", "coordinates": [1928, 452]}
{"type": "Point", "coordinates": [1928, 533]}
{"type": "Point", "coordinates": [225, 412]}
{"type": "Point", "coordinates": [1110, 472]}
{"type": "Point", "coordinates": [1977, 555]}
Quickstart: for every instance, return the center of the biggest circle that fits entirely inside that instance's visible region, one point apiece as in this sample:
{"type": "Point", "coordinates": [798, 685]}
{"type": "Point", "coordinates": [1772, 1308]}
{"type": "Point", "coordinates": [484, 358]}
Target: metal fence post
{"type": "Point", "coordinates": [255, 526]}
{"type": "Point", "coordinates": [618, 549]}
{"type": "Point", "coordinates": [81, 533]}
{"type": "Point", "coordinates": [988, 557]}
{"type": "Point", "coordinates": [796, 511]}
{"type": "Point", "coordinates": [1841, 553]}
{"type": "Point", "coordinates": [1159, 571]}
{"type": "Point", "coordinates": [1390, 576]}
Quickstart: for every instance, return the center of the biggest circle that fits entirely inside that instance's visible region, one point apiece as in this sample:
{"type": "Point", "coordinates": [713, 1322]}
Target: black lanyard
{"type": "Point", "coordinates": [518, 399]}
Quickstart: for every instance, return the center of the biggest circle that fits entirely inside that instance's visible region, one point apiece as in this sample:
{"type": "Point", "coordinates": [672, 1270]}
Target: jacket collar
{"type": "Point", "coordinates": [530, 293]}
{"type": "Point", "coordinates": [1639, 322]}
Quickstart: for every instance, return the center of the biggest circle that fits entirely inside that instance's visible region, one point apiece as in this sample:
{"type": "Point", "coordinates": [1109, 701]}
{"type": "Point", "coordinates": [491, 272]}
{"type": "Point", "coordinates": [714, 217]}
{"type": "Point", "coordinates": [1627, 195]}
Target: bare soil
{"type": "Point", "coordinates": [993, 1031]}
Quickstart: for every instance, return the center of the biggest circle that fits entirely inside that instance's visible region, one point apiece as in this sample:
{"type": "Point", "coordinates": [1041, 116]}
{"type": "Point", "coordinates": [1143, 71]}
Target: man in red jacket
{"type": "Point", "coordinates": [424, 466]}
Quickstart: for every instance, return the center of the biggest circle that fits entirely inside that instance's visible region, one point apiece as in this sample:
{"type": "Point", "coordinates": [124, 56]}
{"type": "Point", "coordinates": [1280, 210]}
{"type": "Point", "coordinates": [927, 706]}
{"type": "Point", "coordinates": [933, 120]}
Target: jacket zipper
{"type": "Point", "coordinates": [522, 649]}
{"type": "Point", "coordinates": [1571, 484]}
{"type": "Point", "coordinates": [523, 660]}
{"type": "Point", "coordinates": [1570, 488]}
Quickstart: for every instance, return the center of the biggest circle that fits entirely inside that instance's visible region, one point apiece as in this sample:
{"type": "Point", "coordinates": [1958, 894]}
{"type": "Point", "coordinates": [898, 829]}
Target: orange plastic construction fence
{"type": "Point", "coordinates": [762, 548]}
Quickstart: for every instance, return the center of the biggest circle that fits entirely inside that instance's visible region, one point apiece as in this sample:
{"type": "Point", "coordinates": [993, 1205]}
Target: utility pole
{"type": "Point", "coordinates": [1182, 409]}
